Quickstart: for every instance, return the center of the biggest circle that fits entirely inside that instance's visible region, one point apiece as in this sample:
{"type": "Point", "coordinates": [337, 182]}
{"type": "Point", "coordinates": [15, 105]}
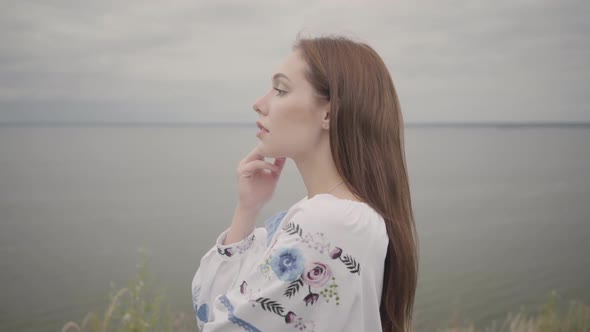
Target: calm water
{"type": "Point", "coordinates": [502, 213]}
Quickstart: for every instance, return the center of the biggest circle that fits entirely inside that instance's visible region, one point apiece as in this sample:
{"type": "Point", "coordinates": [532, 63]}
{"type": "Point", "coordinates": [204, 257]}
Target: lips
{"type": "Point", "coordinates": [261, 126]}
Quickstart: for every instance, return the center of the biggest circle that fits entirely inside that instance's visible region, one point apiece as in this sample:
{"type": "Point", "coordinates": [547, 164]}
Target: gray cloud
{"type": "Point", "coordinates": [209, 60]}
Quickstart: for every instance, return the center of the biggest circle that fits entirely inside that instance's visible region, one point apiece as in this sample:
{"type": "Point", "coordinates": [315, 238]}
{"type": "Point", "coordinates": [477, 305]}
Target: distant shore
{"type": "Point", "coordinates": [253, 124]}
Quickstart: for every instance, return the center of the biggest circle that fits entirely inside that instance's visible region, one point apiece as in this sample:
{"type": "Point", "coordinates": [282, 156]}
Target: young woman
{"type": "Point", "coordinates": [343, 258]}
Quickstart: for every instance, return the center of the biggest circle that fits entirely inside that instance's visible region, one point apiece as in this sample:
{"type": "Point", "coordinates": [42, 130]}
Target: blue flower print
{"type": "Point", "coordinates": [203, 312]}
{"type": "Point", "coordinates": [287, 264]}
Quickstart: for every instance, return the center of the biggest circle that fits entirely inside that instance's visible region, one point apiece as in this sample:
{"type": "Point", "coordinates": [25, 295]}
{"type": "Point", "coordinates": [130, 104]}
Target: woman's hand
{"type": "Point", "coordinates": [257, 180]}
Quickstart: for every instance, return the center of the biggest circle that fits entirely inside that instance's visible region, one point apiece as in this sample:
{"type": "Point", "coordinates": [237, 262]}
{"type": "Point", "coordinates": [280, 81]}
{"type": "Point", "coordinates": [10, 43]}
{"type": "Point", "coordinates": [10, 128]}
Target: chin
{"type": "Point", "coordinates": [264, 150]}
{"type": "Point", "coordinates": [268, 153]}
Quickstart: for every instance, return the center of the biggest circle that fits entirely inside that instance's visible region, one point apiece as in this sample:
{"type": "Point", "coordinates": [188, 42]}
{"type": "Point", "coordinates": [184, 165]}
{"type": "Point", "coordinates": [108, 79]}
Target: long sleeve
{"type": "Point", "coordinates": [315, 273]}
{"type": "Point", "coordinates": [222, 264]}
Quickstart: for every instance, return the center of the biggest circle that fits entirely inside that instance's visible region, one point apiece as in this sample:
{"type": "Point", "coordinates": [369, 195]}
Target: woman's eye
{"type": "Point", "coordinates": [280, 92]}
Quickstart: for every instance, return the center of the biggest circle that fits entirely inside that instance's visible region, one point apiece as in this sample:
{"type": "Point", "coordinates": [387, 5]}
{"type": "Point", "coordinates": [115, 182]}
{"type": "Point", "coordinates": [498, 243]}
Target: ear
{"type": "Point", "coordinates": [325, 113]}
{"type": "Point", "coordinates": [326, 116]}
{"type": "Point", "coordinates": [326, 121]}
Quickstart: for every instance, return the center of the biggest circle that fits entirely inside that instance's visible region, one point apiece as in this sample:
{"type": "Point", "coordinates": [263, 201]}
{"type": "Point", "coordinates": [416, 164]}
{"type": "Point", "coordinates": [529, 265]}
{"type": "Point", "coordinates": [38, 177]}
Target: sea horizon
{"type": "Point", "coordinates": [571, 124]}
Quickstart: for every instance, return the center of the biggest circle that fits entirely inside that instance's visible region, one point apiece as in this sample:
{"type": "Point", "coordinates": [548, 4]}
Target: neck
{"type": "Point", "coordinates": [318, 171]}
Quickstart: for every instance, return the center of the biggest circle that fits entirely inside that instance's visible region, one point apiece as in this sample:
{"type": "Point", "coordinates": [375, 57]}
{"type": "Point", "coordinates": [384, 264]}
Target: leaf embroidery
{"type": "Point", "coordinates": [269, 305]}
{"type": "Point", "coordinates": [351, 264]}
{"type": "Point", "coordinates": [290, 317]}
{"type": "Point", "coordinates": [293, 287]}
{"type": "Point", "coordinates": [292, 229]}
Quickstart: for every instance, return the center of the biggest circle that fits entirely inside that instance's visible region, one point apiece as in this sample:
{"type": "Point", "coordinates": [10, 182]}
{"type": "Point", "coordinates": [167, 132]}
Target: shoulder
{"type": "Point", "coordinates": [334, 232]}
{"type": "Point", "coordinates": [332, 214]}
{"type": "Point", "coordinates": [342, 223]}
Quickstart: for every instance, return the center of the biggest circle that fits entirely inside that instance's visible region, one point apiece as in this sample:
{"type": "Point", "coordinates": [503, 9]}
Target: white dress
{"type": "Point", "coordinates": [317, 266]}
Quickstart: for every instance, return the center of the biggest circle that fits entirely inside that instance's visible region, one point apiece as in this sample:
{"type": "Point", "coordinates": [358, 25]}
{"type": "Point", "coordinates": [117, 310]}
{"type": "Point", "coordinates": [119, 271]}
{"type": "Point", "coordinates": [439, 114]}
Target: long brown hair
{"type": "Point", "coordinates": [367, 144]}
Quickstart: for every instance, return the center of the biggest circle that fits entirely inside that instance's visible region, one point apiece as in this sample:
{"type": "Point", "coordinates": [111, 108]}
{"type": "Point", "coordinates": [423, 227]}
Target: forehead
{"type": "Point", "coordinates": [293, 66]}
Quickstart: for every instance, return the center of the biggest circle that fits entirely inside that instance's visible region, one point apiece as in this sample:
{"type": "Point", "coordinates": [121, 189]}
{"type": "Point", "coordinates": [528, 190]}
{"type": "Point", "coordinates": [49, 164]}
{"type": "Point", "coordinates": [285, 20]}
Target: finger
{"type": "Point", "coordinates": [258, 165]}
{"type": "Point", "coordinates": [280, 162]}
{"type": "Point", "coordinates": [253, 155]}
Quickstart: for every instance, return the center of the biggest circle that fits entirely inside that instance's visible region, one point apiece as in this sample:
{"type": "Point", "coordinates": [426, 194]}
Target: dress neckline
{"type": "Point", "coordinates": [327, 195]}
{"type": "Point", "coordinates": [340, 200]}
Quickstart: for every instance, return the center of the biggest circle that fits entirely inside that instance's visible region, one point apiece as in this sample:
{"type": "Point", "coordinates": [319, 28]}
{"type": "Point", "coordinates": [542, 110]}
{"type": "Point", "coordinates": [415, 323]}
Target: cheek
{"type": "Point", "coordinates": [291, 119]}
{"type": "Point", "coordinates": [293, 111]}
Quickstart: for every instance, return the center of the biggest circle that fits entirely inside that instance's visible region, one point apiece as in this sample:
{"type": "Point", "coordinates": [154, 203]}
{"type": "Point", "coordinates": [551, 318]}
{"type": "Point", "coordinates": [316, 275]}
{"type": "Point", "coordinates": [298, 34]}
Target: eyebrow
{"type": "Point", "coordinates": [278, 75]}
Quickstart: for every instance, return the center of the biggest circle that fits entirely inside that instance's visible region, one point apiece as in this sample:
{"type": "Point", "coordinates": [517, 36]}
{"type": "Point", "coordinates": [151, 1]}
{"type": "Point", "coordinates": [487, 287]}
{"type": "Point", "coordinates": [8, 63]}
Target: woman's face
{"type": "Point", "coordinates": [291, 112]}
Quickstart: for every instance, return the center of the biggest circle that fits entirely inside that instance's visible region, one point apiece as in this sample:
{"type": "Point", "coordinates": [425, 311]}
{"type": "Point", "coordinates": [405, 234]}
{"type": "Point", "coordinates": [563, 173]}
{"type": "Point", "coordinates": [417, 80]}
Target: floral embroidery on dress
{"type": "Point", "coordinates": [225, 252]}
{"type": "Point", "coordinates": [276, 308]}
{"type": "Point", "coordinates": [287, 263]}
{"type": "Point", "coordinates": [290, 317]}
{"type": "Point", "coordinates": [233, 318]}
{"type": "Point", "coordinates": [240, 247]}
{"type": "Point", "coordinates": [316, 275]}
{"type": "Point", "coordinates": [317, 244]}
{"type": "Point", "coordinates": [351, 264]}
{"type": "Point", "coordinates": [203, 312]}
{"type": "Point", "coordinates": [290, 265]}
{"type": "Point", "coordinates": [265, 269]}
{"type": "Point", "coordinates": [331, 291]}
{"type": "Point", "coordinates": [250, 293]}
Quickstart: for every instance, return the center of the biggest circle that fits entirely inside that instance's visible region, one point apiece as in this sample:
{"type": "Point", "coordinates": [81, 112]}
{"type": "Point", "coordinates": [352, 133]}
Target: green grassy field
{"type": "Point", "coordinates": [141, 307]}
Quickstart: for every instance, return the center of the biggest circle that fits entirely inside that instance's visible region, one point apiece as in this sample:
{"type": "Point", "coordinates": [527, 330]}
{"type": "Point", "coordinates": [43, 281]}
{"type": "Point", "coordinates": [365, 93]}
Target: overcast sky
{"type": "Point", "coordinates": [203, 61]}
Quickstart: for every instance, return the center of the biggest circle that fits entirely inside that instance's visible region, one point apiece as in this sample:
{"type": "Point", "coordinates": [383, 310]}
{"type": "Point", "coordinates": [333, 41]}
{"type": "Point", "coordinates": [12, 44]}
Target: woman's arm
{"type": "Point", "coordinates": [220, 267]}
{"type": "Point", "coordinates": [243, 224]}
{"type": "Point", "coordinates": [307, 279]}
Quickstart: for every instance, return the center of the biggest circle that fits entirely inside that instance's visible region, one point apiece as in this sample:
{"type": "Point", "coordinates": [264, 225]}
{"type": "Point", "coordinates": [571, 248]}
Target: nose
{"type": "Point", "coordinates": [256, 107]}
